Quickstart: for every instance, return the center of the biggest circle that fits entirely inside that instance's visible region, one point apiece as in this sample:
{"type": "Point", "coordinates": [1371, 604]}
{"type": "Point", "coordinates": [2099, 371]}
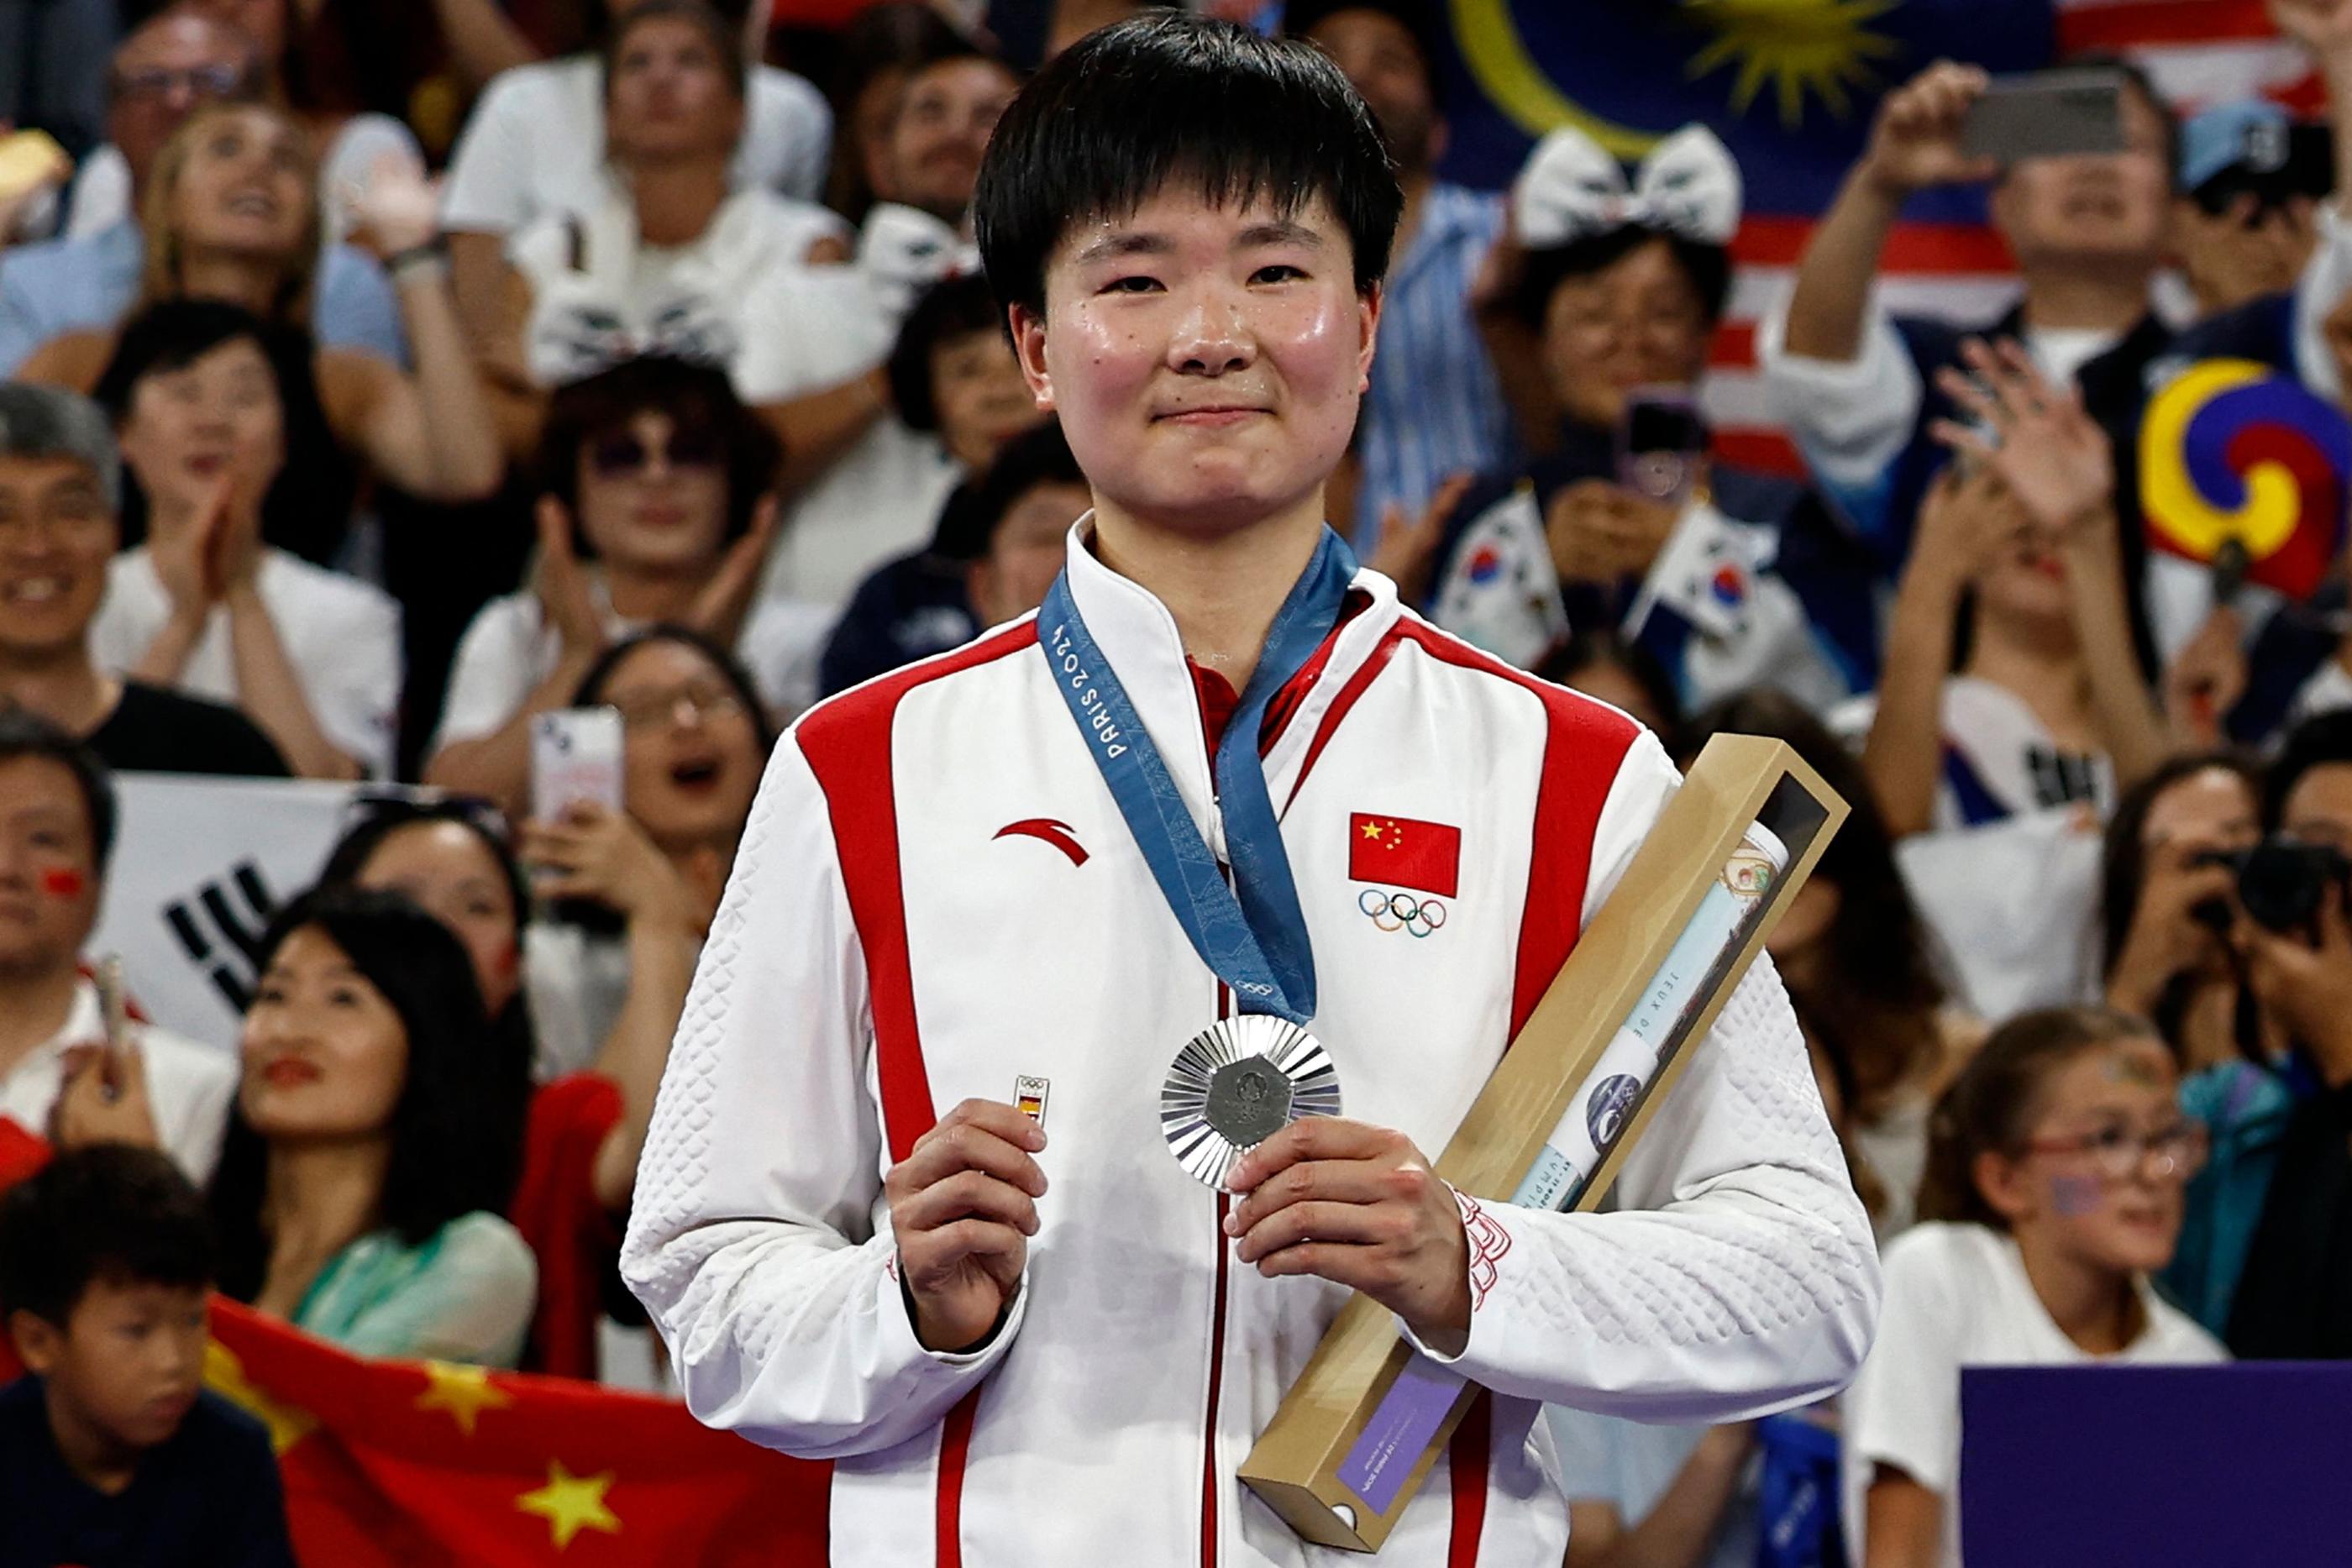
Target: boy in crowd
{"type": "Point", "coordinates": [111, 1454]}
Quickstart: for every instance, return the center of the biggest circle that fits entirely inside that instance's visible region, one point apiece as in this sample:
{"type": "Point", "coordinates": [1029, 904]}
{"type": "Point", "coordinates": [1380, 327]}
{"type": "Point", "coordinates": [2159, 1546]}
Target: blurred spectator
{"type": "Point", "coordinates": [1858, 387]}
{"type": "Point", "coordinates": [1434, 408]}
{"type": "Point", "coordinates": [694, 745]}
{"type": "Point", "coordinates": [1001, 543]}
{"type": "Point", "coordinates": [349, 145]}
{"type": "Point", "coordinates": [1861, 969]}
{"type": "Point", "coordinates": [164, 71]}
{"type": "Point", "coordinates": [374, 1141]}
{"type": "Point", "coordinates": [922, 168]}
{"type": "Point", "coordinates": [230, 215]}
{"type": "Point", "coordinates": [2044, 705]}
{"type": "Point", "coordinates": [111, 1450]}
{"type": "Point", "coordinates": [2245, 221]}
{"type": "Point", "coordinates": [1627, 676]}
{"type": "Point", "coordinates": [1641, 1495]}
{"type": "Point", "coordinates": [876, 51]}
{"type": "Point", "coordinates": [205, 605]}
{"type": "Point", "coordinates": [1729, 579]}
{"type": "Point", "coordinates": [2295, 1298]}
{"type": "Point", "coordinates": [60, 481]}
{"type": "Point", "coordinates": [671, 260]}
{"type": "Point", "coordinates": [2173, 956]}
{"type": "Point", "coordinates": [2053, 1190]}
{"type": "Point", "coordinates": [537, 144]}
{"type": "Point", "coordinates": [46, 49]}
{"type": "Point", "coordinates": [957, 396]}
{"type": "Point", "coordinates": [57, 832]}
{"type": "Point", "coordinates": [654, 506]}
{"type": "Point", "coordinates": [586, 1117]}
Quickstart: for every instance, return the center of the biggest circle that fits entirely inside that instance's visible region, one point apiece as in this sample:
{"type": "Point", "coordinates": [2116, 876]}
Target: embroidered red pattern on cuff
{"type": "Point", "coordinates": [1487, 1242]}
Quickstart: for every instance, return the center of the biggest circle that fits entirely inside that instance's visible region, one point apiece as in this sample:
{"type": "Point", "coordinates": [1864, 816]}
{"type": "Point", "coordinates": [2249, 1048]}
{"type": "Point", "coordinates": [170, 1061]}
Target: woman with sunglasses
{"type": "Point", "coordinates": [657, 475]}
{"type": "Point", "coordinates": [2055, 1166]}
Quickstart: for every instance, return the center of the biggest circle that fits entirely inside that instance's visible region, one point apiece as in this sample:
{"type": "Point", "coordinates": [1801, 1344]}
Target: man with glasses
{"type": "Point", "coordinates": [88, 277]}
{"type": "Point", "coordinates": [59, 481]}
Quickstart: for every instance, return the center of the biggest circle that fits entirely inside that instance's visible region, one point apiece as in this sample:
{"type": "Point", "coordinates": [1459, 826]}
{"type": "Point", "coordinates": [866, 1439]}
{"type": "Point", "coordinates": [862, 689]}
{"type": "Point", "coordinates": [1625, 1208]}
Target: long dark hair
{"type": "Point", "coordinates": [456, 1134]}
{"type": "Point", "coordinates": [510, 1027]}
{"type": "Point", "coordinates": [1874, 1010]}
{"type": "Point", "coordinates": [1991, 1105]}
{"type": "Point", "coordinates": [2123, 870]}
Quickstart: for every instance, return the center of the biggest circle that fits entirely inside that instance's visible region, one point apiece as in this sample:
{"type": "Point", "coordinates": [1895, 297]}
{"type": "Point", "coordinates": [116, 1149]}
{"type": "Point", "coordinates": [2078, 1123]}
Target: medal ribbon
{"type": "Point", "coordinates": [1250, 932]}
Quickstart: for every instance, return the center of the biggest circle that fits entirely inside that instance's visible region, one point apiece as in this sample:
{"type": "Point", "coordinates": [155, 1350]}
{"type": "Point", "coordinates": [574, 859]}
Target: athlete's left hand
{"type": "Point", "coordinates": [1358, 1205]}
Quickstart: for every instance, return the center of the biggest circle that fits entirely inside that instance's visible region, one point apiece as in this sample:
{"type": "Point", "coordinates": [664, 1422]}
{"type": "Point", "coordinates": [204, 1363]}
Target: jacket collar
{"type": "Point", "coordinates": [1139, 637]}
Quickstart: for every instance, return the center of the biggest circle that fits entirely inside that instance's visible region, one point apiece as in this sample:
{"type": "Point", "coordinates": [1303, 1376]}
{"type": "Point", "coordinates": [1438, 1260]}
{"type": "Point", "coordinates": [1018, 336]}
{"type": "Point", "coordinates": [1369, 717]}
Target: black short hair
{"type": "Point", "coordinates": [589, 692]}
{"type": "Point", "coordinates": [111, 1212]}
{"type": "Point", "coordinates": [2320, 741]}
{"type": "Point", "coordinates": [458, 1127]}
{"type": "Point", "coordinates": [1596, 647]}
{"type": "Point", "coordinates": [310, 501]}
{"type": "Point", "coordinates": [27, 734]}
{"type": "Point", "coordinates": [691, 395]}
{"type": "Point", "coordinates": [1037, 456]}
{"type": "Point", "coordinates": [1170, 95]}
{"type": "Point", "coordinates": [956, 306]}
{"type": "Point", "coordinates": [1708, 267]}
{"type": "Point", "coordinates": [1300, 17]}
{"type": "Point", "coordinates": [726, 37]}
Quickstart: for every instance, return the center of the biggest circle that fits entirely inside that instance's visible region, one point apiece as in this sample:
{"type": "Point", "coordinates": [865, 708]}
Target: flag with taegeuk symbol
{"type": "Point", "coordinates": [1405, 853]}
{"type": "Point", "coordinates": [424, 1464]}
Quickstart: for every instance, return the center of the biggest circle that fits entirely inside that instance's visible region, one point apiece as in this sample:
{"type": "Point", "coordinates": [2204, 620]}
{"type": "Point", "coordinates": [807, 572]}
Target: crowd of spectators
{"type": "Point", "coordinates": [347, 436]}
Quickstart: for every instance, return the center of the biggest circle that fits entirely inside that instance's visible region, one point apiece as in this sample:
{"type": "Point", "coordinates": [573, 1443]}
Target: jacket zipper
{"type": "Point", "coordinates": [1208, 1542]}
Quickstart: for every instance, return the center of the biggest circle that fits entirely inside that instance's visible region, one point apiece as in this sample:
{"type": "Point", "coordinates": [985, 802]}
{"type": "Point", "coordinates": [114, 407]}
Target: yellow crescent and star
{"type": "Point", "coordinates": [1800, 49]}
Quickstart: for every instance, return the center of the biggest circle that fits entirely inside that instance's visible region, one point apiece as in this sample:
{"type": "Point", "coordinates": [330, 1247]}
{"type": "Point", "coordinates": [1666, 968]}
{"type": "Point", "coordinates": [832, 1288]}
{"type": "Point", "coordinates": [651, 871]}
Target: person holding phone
{"type": "Point", "coordinates": [1728, 578]}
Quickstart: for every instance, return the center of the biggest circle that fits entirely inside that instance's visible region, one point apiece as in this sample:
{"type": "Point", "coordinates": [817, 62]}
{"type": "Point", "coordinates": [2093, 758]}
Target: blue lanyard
{"type": "Point", "coordinates": [1250, 932]}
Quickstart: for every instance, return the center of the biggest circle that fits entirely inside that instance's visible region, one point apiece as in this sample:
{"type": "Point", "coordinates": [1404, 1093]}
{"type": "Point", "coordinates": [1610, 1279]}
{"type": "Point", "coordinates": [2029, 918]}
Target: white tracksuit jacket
{"type": "Point", "coordinates": [885, 951]}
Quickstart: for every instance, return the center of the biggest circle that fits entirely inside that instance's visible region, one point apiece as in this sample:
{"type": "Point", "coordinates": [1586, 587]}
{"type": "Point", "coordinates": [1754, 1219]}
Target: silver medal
{"type": "Point", "coordinates": [1238, 1083]}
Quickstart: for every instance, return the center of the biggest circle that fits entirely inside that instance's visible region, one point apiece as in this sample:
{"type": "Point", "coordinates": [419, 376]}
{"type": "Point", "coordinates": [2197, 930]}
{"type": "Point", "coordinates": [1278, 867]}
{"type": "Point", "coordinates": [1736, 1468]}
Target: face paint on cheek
{"type": "Point", "coordinates": [62, 883]}
{"type": "Point", "coordinates": [2076, 1196]}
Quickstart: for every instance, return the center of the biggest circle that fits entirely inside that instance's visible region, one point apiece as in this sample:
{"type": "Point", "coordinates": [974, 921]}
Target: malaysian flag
{"type": "Point", "coordinates": [1790, 85]}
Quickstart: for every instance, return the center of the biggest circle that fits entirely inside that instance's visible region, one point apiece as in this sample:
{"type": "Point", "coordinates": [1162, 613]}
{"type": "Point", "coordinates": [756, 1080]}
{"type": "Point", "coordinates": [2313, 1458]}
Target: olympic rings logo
{"type": "Point", "coordinates": [1402, 912]}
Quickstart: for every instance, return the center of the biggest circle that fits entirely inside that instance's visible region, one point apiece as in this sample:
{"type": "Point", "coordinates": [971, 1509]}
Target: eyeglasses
{"type": "Point", "coordinates": [199, 81]}
{"type": "Point", "coordinates": [613, 455]}
{"type": "Point", "coordinates": [2178, 1150]}
{"type": "Point", "coordinates": [642, 710]}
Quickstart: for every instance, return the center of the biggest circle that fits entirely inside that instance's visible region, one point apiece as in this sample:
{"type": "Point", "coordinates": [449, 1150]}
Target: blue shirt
{"type": "Point", "coordinates": [1435, 407]}
{"type": "Point", "coordinates": [64, 286]}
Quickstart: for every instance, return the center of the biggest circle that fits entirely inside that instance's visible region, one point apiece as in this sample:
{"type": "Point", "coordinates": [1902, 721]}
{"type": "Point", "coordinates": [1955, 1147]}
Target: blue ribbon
{"type": "Point", "coordinates": [1250, 932]}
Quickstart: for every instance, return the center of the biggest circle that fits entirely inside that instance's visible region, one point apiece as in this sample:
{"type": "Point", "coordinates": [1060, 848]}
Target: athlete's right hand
{"type": "Point", "coordinates": [963, 1205]}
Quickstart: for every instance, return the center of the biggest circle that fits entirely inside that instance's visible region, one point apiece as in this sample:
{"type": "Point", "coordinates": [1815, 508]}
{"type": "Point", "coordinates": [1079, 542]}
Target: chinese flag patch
{"type": "Point", "coordinates": [1402, 853]}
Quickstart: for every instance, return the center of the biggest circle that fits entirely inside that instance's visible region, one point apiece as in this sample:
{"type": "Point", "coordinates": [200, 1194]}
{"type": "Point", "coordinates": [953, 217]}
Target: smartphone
{"type": "Point", "coordinates": [575, 755]}
{"type": "Point", "coordinates": [2047, 114]}
{"type": "Point", "coordinates": [1661, 437]}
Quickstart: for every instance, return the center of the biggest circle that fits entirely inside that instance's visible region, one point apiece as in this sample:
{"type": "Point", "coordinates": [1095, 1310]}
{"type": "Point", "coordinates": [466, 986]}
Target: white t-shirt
{"type": "Point", "coordinates": [1957, 1295]}
{"type": "Point", "coordinates": [881, 500]}
{"type": "Point", "coordinates": [535, 143]}
{"type": "Point", "coordinates": [189, 1085]}
{"type": "Point", "coordinates": [738, 295]}
{"type": "Point", "coordinates": [341, 635]}
{"type": "Point", "coordinates": [508, 650]}
{"type": "Point", "coordinates": [2000, 759]}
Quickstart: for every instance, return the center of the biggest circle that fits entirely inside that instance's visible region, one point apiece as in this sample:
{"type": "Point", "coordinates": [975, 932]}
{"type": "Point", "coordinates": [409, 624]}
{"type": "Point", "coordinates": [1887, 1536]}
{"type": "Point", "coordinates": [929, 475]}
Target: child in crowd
{"type": "Point", "coordinates": [2055, 1168]}
{"type": "Point", "coordinates": [111, 1454]}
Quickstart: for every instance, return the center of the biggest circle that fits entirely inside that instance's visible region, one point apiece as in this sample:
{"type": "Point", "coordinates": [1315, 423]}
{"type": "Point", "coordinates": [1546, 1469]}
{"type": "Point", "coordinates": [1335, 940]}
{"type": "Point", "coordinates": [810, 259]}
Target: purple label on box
{"type": "Point", "coordinates": [1402, 1425]}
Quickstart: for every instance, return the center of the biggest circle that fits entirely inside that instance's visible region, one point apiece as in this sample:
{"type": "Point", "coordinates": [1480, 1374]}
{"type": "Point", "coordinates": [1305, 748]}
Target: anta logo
{"type": "Point", "coordinates": [1057, 834]}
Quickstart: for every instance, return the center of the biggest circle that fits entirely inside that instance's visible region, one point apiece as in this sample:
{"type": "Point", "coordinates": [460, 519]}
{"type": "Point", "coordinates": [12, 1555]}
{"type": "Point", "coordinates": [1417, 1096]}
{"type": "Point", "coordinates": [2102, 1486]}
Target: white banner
{"type": "Point", "coordinates": [200, 865]}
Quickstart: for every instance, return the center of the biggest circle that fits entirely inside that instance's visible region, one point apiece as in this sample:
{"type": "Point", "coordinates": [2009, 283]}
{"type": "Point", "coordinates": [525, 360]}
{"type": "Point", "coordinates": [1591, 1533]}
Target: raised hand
{"type": "Point", "coordinates": [566, 601]}
{"type": "Point", "coordinates": [103, 1099]}
{"type": "Point", "coordinates": [395, 210]}
{"type": "Point", "coordinates": [1915, 142]}
{"type": "Point", "coordinates": [2050, 453]}
{"type": "Point", "coordinates": [592, 851]}
{"type": "Point", "coordinates": [1406, 551]}
{"type": "Point", "coordinates": [719, 610]}
{"type": "Point", "coordinates": [963, 1204]}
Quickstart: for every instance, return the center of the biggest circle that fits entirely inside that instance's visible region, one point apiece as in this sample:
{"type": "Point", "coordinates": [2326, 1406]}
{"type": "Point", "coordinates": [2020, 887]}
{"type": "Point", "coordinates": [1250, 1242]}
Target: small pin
{"type": "Point", "coordinates": [1029, 1097]}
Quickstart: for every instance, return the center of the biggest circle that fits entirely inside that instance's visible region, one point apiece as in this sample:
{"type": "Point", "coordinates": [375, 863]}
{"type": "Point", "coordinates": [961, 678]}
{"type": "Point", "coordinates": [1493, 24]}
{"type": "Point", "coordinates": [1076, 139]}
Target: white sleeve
{"type": "Point", "coordinates": [491, 676]}
{"type": "Point", "coordinates": [1738, 1275]}
{"type": "Point", "coordinates": [807, 121]}
{"type": "Point", "coordinates": [753, 1240]}
{"type": "Point", "coordinates": [488, 190]}
{"type": "Point", "coordinates": [2326, 278]}
{"type": "Point", "coordinates": [1904, 1408]}
{"type": "Point", "coordinates": [1852, 417]}
{"type": "Point", "coordinates": [354, 692]}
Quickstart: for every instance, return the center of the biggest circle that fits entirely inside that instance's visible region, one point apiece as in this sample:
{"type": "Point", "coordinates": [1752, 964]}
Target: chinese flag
{"type": "Point", "coordinates": [1402, 853]}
